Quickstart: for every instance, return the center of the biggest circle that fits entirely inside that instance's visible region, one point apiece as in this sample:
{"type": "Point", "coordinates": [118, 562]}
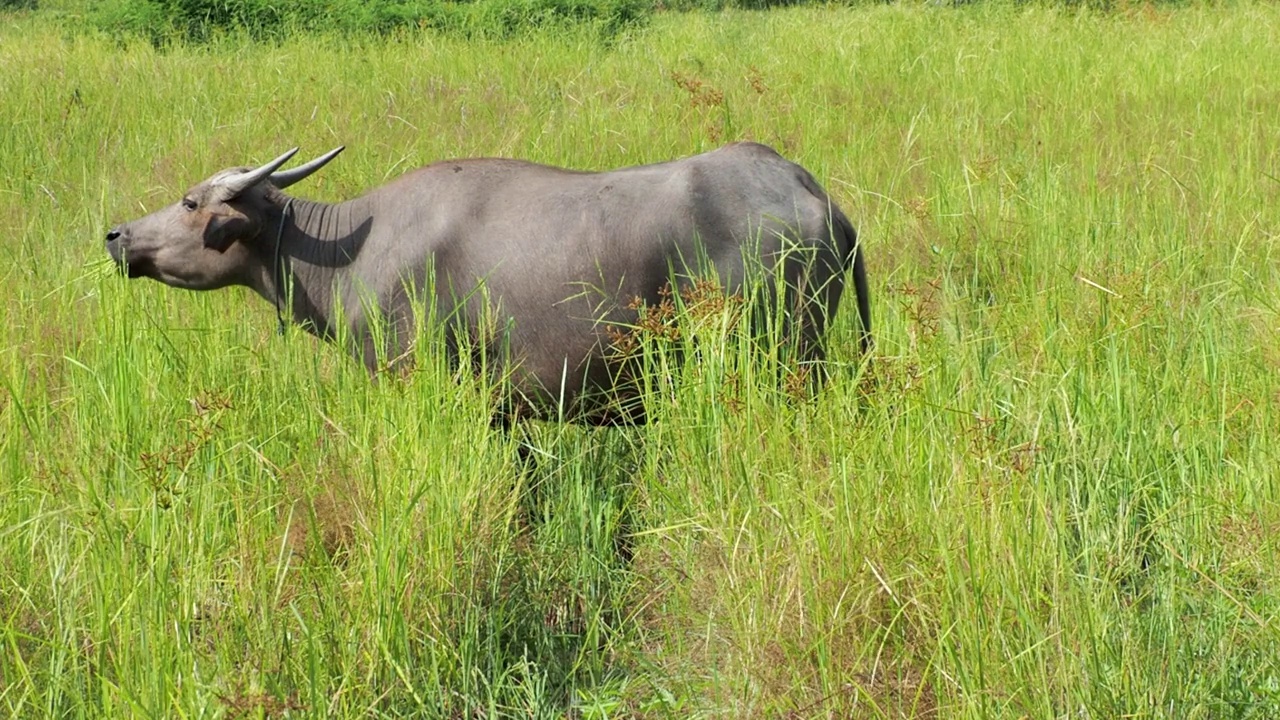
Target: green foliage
{"type": "Point", "coordinates": [1053, 494]}
{"type": "Point", "coordinates": [18, 4]}
{"type": "Point", "coordinates": [505, 18]}
{"type": "Point", "coordinates": [201, 20]}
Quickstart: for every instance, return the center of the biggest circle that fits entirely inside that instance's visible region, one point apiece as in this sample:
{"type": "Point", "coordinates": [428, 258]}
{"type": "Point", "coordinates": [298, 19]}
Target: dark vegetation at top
{"type": "Point", "coordinates": [201, 20]}
{"type": "Point", "coordinates": [197, 21]}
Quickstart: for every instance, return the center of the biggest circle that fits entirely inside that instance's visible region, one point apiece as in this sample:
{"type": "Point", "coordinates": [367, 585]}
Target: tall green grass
{"type": "Point", "coordinates": [1054, 494]}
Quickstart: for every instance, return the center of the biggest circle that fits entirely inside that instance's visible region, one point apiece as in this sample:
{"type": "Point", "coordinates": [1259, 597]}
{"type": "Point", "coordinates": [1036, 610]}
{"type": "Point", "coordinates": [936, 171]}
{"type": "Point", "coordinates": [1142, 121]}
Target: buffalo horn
{"type": "Point", "coordinates": [235, 184]}
{"type": "Point", "coordinates": [285, 178]}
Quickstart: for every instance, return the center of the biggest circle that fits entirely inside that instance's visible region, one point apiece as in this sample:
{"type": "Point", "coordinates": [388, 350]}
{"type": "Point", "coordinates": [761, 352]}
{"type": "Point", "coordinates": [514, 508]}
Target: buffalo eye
{"type": "Point", "coordinates": [189, 205]}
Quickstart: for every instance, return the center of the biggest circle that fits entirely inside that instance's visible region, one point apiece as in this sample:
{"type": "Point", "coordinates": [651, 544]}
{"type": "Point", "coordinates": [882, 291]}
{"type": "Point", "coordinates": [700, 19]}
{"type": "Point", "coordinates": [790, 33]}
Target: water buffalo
{"type": "Point", "coordinates": [562, 254]}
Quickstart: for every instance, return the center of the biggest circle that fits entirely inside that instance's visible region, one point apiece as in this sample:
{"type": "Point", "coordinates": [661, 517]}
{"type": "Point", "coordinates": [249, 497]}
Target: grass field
{"type": "Point", "coordinates": [1055, 496]}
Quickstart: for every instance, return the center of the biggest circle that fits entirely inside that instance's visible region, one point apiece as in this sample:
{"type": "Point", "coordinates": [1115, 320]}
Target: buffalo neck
{"type": "Point", "coordinates": [312, 258]}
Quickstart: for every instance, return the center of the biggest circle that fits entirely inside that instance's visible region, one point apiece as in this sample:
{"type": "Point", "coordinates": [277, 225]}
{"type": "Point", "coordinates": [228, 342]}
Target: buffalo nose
{"type": "Point", "coordinates": [113, 235]}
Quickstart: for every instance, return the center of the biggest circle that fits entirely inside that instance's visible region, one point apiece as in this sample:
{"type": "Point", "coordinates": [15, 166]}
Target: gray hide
{"type": "Point", "coordinates": [561, 253]}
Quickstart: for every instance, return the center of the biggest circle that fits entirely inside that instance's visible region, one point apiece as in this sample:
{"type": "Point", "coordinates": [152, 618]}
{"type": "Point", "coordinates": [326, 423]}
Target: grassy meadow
{"type": "Point", "coordinates": [1054, 494]}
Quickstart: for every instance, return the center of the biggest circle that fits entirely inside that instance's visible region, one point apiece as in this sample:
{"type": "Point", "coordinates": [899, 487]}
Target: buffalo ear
{"type": "Point", "coordinates": [221, 231]}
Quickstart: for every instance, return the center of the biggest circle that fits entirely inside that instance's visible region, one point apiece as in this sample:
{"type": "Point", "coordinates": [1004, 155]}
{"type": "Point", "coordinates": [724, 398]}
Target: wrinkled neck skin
{"type": "Point", "coordinates": [318, 244]}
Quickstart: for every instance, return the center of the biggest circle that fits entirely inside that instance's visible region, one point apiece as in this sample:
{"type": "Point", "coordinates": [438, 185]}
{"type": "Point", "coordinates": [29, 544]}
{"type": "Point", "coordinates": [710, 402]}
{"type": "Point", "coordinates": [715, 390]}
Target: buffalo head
{"type": "Point", "coordinates": [206, 240]}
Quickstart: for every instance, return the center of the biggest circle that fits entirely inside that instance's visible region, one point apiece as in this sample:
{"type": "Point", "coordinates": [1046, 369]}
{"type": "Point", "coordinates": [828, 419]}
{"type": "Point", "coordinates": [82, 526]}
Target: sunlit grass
{"type": "Point", "coordinates": [1054, 495]}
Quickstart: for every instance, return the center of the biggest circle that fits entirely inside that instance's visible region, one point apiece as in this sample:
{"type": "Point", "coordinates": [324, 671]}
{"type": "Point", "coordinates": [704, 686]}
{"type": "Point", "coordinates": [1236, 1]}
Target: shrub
{"type": "Point", "coordinates": [505, 18]}
{"type": "Point", "coordinates": [199, 20]}
{"type": "Point", "coordinates": [188, 20]}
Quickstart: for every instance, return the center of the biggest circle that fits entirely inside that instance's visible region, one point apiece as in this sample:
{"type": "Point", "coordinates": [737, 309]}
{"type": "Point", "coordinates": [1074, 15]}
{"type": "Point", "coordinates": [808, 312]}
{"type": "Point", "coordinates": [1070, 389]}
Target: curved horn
{"type": "Point", "coordinates": [285, 178]}
{"type": "Point", "coordinates": [237, 183]}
